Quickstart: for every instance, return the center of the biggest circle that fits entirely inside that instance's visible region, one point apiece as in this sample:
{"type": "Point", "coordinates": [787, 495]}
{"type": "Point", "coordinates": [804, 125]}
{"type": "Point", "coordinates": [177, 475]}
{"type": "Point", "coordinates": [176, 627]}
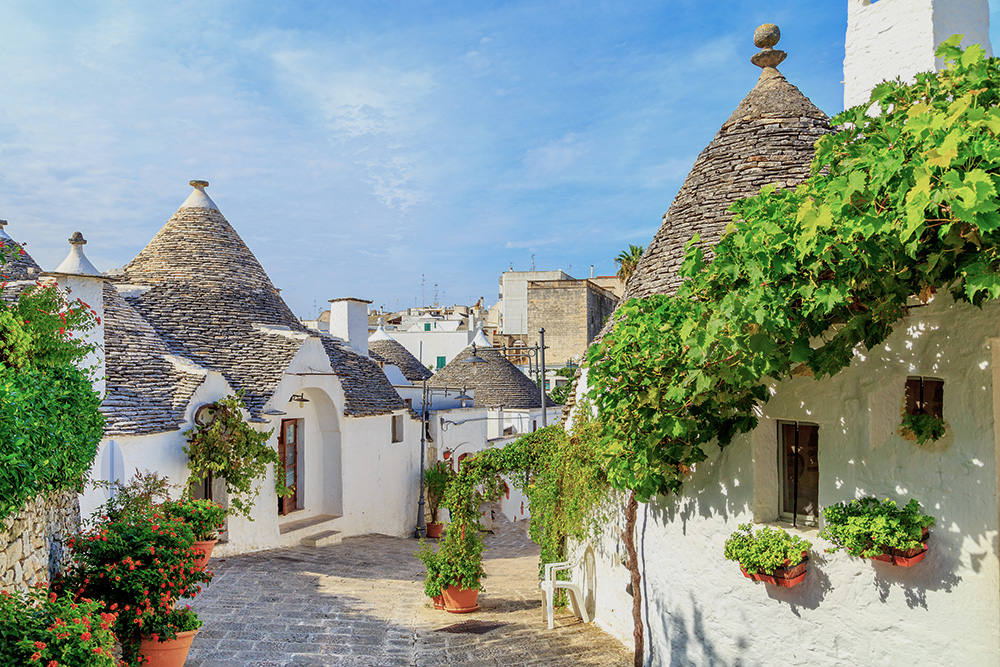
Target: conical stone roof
{"type": "Point", "coordinates": [208, 298]}
{"type": "Point", "coordinates": [497, 382]}
{"type": "Point", "coordinates": [385, 349]}
{"type": "Point", "coordinates": [769, 139]}
{"type": "Point", "coordinates": [18, 266]}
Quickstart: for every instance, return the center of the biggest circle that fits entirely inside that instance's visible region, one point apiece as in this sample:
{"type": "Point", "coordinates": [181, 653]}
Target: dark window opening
{"type": "Point", "coordinates": [925, 396]}
{"type": "Point", "coordinates": [798, 470]}
{"type": "Point", "coordinates": [397, 428]}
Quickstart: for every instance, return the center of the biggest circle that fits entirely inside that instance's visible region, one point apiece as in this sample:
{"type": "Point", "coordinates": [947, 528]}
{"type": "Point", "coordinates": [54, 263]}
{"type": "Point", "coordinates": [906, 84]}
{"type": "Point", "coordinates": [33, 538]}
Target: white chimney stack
{"type": "Point", "coordinates": [349, 321]}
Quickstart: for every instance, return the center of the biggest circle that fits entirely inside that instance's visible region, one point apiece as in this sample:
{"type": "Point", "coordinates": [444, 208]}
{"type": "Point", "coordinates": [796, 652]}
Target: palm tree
{"type": "Point", "coordinates": [627, 260]}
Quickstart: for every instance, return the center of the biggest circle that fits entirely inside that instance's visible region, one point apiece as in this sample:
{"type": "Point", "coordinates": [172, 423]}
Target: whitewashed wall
{"type": "Point", "coordinates": [897, 38]}
{"type": "Point", "coordinates": [427, 346]}
{"type": "Point", "coordinates": [700, 610]}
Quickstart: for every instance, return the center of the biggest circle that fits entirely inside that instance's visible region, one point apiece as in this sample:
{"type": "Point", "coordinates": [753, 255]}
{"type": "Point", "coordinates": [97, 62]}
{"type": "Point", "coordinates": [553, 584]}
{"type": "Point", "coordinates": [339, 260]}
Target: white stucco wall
{"type": "Point", "coordinates": [897, 38]}
{"type": "Point", "coordinates": [700, 610]}
{"type": "Point", "coordinates": [427, 346]}
{"type": "Point", "coordinates": [89, 290]}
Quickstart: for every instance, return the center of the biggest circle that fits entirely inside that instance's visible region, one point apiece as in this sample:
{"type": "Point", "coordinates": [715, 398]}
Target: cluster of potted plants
{"type": "Point", "coordinates": [866, 528]}
{"type": "Point", "coordinates": [139, 558]}
{"type": "Point", "coordinates": [869, 528]}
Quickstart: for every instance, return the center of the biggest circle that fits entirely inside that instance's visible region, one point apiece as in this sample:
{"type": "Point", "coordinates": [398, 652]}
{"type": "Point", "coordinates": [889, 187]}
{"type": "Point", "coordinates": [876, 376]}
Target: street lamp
{"type": "Point", "coordinates": [425, 394]}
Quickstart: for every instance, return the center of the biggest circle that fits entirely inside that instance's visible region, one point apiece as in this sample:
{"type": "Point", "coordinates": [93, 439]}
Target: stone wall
{"type": "Point", "coordinates": [572, 312]}
{"type": "Point", "coordinates": [32, 543]}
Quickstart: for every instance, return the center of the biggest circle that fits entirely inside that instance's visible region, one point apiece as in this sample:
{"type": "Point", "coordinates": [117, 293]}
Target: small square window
{"type": "Point", "coordinates": [798, 471]}
{"type": "Point", "coordinates": [397, 428]}
{"type": "Point", "coordinates": [442, 362]}
{"type": "Point", "coordinates": [925, 396]}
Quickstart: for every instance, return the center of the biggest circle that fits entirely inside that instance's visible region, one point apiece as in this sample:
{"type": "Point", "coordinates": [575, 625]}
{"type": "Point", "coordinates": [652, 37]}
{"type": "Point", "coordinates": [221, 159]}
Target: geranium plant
{"type": "Point", "coordinates": [922, 428]}
{"type": "Point", "coordinates": [867, 527]}
{"type": "Point", "coordinates": [766, 549]}
{"type": "Point", "coordinates": [205, 517]}
{"type": "Point", "coordinates": [140, 565]}
{"type": "Point", "coordinates": [40, 627]}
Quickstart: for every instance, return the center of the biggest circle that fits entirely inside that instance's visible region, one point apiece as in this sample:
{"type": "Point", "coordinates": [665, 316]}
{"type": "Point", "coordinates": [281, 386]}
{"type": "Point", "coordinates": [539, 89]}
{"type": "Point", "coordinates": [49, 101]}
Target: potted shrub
{"type": "Point", "coordinates": [432, 583]}
{"type": "Point", "coordinates": [436, 479]}
{"type": "Point", "coordinates": [205, 518]}
{"type": "Point", "coordinates": [41, 627]}
{"type": "Point", "coordinates": [182, 625]}
{"type": "Point", "coordinates": [868, 528]}
{"type": "Point", "coordinates": [460, 568]}
{"type": "Point", "coordinates": [138, 564]}
{"type": "Point", "coordinates": [769, 554]}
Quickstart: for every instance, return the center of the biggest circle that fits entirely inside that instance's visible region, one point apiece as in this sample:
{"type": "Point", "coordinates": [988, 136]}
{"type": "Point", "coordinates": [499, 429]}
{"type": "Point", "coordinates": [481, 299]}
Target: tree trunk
{"type": "Point", "coordinates": [633, 565]}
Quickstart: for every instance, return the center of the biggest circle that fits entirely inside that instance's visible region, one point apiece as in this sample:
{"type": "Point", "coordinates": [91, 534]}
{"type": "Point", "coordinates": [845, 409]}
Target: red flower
{"type": "Point", "coordinates": [39, 645]}
{"type": "Point", "coordinates": [85, 636]}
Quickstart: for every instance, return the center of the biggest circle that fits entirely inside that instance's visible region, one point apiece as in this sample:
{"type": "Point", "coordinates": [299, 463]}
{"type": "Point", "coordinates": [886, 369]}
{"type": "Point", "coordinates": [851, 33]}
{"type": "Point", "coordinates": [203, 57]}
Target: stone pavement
{"type": "Point", "coordinates": [361, 603]}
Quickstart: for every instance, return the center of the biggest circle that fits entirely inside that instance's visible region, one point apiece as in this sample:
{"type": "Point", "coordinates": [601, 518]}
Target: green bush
{"type": "Point", "coordinates": [432, 561]}
{"type": "Point", "coordinates": [205, 517]}
{"type": "Point", "coordinates": [766, 549]}
{"type": "Point", "coordinates": [866, 527]}
{"type": "Point", "coordinates": [50, 427]}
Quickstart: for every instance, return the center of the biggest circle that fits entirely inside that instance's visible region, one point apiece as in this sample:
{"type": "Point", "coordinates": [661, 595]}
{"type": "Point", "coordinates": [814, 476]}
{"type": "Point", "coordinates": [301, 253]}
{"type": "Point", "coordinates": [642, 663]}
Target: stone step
{"type": "Point", "coordinates": [302, 524]}
{"type": "Point", "coordinates": [323, 539]}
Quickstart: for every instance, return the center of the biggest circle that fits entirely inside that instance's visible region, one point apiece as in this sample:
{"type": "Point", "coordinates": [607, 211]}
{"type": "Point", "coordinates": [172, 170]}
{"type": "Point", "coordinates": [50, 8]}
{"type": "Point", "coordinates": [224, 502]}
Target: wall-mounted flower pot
{"type": "Point", "coordinates": [435, 530]}
{"type": "Point", "coordinates": [460, 600]}
{"type": "Point", "coordinates": [785, 577]}
{"type": "Point", "coordinates": [205, 548]}
{"type": "Point", "coordinates": [904, 557]}
{"type": "Point", "coordinates": [170, 653]}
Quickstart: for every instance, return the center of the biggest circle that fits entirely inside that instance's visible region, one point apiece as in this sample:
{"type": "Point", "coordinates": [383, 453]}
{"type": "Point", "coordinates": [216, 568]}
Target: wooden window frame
{"type": "Point", "coordinates": [919, 387]}
{"type": "Point", "coordinates": [794, 516]}
{"type": "Point", "coordinates": [289, 504]}
{"type": "Point", "coordinates": [396, 428]}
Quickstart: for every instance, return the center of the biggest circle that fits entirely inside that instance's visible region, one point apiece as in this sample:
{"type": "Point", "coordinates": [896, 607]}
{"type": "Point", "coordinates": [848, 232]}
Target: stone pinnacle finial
{"type": "Point", "coordinates": [199, 184]}
{"type": "Point", "coordinates": [3, 223]}
{"type": "Point", "coordinates": [77, 239]}
{"type": "Point", "coordinates": [381, 321]}
{"type": "Point", "coordinates": [764, 38]}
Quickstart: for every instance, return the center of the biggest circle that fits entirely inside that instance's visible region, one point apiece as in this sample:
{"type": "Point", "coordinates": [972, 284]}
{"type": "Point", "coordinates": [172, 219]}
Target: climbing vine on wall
{"type": "Point", "coordinates": [901, 203]}
{"type": "Point", "coordinates": [559, 472]}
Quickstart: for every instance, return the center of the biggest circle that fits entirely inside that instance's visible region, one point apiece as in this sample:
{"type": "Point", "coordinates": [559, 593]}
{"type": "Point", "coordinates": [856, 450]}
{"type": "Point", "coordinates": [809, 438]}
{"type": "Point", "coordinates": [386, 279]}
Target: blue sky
{"type": "Point", "coordinates": [358, 145]}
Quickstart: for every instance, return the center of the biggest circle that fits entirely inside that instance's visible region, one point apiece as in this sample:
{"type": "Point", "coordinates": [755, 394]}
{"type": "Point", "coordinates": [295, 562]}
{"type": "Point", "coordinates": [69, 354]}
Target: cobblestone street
{"type": "Point", "coordinates": [361, 603]}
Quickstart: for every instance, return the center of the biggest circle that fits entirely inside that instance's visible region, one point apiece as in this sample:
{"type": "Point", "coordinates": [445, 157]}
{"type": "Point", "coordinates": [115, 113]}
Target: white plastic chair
{"type": "Point", "coordinates": [549, 584]}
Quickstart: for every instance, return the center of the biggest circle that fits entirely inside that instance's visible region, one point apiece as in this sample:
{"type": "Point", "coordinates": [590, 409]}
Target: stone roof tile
{"type": "Point", "coordinates": [497, 382]}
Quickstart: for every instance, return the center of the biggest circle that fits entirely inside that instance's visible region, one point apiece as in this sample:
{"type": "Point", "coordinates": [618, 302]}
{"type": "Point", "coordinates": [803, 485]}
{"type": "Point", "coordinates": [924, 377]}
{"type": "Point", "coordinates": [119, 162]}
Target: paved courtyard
{"type": "Point", "coordinates": [361, 603]}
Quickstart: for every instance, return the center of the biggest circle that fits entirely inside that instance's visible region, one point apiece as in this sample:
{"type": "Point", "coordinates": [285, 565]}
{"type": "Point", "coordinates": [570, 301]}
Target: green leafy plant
{"type": "Point", "coordinates": [40, 627]}
{"type": "Point", "coordinates": [436, 480]}
{"type": "Point", "coordinates": [139, 565]}
{"type": "Point", "coordinates": [900, 203]}
{"type": "Point", "coordinates": [141, 495]}
{"type": "Point", "coordinates": [229, 448]}
{"type": "Point", "coordinates": [164, 627]}
{"type": "Point", "coordinates": [866, 527]}
{"type": "Point", "coordinates": [922, 428]}
{"type": "Point", "coordinates": [560, 395]}
{"type": "Point", "coordinates": [432, 561]}
{"type": "Point", "coordinates": [205, 517]}
{"type": "Point", "coordinates": [766, 549]}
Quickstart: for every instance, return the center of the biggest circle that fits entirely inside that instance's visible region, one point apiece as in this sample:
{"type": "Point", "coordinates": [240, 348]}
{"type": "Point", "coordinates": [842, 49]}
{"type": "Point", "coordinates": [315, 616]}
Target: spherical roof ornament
{"type": "Point", "coordinates": [765, 38]}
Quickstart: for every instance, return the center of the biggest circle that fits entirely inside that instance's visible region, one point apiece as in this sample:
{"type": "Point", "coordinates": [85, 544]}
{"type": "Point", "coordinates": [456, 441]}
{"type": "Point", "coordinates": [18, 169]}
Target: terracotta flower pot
{"type": "Point", "coordinates": [434, 530]}
{"type": "Point", "coordinates": [205, 548]}
{"type": "Point", "coordinates": [171, 653]}
{"type": "Point", "coordinates": [460, 600]}
{"type": "Point", "coordinates": [785, 577]}
{"type": "Point", "coordinates": [438, 601]}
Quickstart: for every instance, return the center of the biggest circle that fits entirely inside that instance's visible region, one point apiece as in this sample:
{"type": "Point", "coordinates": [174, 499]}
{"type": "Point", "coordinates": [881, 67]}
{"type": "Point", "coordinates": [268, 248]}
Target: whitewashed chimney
{"type": "Point", "coordinates": [83, 281]}
{"type": "Point", "coordinates": [349, 321]}
{"type": "Point", "coordinates": [887, 39]}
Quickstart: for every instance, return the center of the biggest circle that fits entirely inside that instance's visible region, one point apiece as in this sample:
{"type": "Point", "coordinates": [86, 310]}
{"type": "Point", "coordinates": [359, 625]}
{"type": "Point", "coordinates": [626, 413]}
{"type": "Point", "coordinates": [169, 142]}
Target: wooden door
{"type": "Point", "coordinates": [288, 452]}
